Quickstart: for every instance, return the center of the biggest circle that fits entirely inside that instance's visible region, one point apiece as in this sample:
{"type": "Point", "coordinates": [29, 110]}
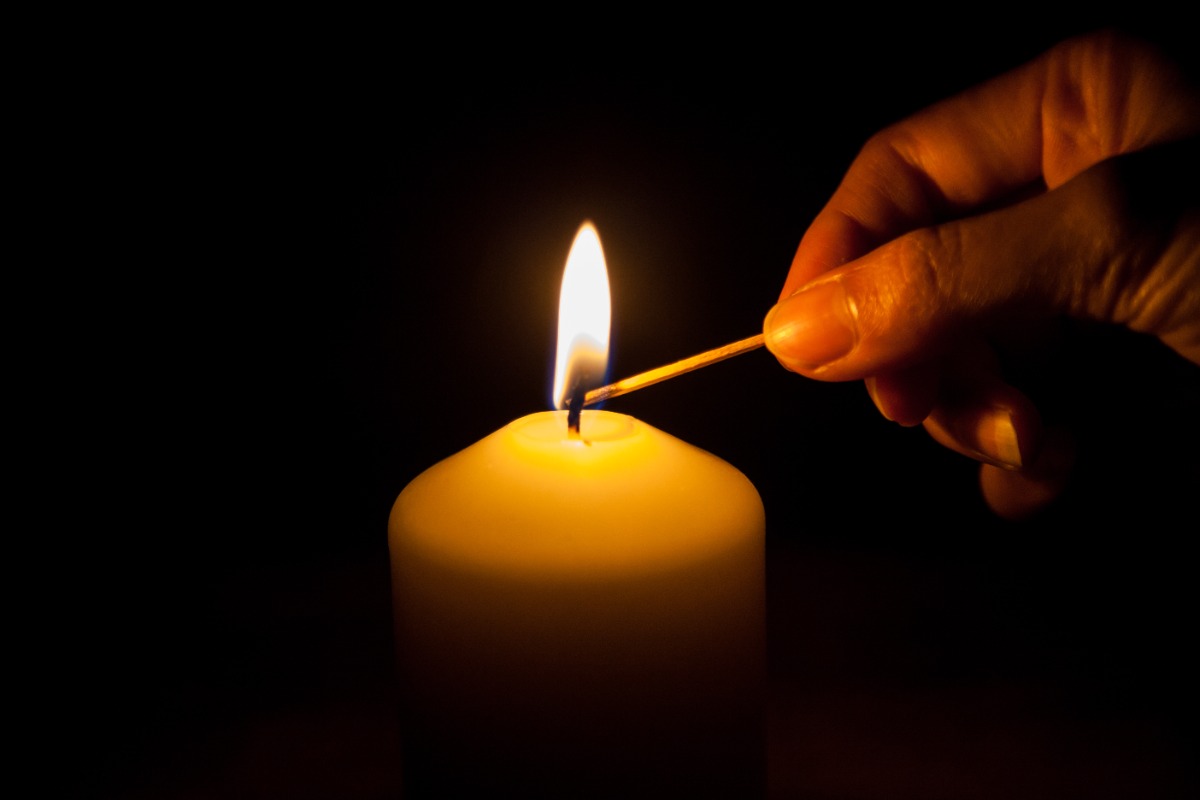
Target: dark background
{"type": "Point", "coordinates": [353, 238]}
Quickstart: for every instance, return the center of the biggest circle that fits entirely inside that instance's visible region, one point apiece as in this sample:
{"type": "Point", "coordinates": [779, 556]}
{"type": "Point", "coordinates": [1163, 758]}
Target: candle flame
{"type": "Point", "coordinates": [584, 319]}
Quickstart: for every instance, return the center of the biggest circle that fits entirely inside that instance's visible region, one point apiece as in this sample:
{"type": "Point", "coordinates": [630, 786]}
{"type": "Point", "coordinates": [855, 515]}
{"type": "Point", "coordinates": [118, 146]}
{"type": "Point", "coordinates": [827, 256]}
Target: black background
{"type": "Point", "coordinates": [349, 242]}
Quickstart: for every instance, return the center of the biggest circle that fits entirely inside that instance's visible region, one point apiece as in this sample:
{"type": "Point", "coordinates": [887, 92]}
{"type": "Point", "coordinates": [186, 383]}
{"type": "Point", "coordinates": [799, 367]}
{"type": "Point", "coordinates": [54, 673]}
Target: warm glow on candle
{"type": "Point", "coordinates": [580, 616]}
{"type": "Point", "coordinates": [584, 319]}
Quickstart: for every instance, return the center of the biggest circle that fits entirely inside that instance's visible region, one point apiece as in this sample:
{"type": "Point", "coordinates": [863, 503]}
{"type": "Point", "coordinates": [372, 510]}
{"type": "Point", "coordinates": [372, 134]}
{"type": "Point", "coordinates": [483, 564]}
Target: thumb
{"type": "Point", "coordinates": [910, 299]}
{"type": "Point", "coordinates": [1088, 249]}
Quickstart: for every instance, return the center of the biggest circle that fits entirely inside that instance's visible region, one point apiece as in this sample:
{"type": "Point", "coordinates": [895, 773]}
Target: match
{"type": "Point", "coordinates": [660, 374]}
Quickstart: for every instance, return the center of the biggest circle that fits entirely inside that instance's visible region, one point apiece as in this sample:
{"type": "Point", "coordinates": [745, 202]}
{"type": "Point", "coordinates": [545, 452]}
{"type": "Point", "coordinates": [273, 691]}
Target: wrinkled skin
{"type": "Point", "coordinates": [960, 237]}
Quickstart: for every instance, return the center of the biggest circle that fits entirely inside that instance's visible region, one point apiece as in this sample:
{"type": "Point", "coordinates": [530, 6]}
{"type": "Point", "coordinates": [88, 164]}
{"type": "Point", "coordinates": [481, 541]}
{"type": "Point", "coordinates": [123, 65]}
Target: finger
{"type": "Point", "coordinates": [1030, 129]}
{"type": "Point", "coordinates": [1102, 247]}
{"type": "Point", "coordinates": [1019, 495]}
{"type": "Point", "coordinates": [915, 298]}
{"type": "Point", "coordinates": [981, 416]}
{"type": "Point", "coordinates": [906, 396]}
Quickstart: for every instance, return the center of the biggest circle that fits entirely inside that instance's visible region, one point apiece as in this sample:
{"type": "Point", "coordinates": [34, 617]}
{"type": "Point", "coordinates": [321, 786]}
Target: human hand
{"type": "Point", "coordinates": [959, 237]}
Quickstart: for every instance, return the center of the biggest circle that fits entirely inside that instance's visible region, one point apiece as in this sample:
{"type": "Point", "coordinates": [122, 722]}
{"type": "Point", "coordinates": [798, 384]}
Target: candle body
{"type": "Point", "coordinates": [581, 618]}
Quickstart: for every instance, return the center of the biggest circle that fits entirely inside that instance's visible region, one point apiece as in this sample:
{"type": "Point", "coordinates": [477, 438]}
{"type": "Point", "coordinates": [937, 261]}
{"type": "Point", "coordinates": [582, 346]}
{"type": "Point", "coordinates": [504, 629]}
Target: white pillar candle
{"type": "Point", "coordinates": [580, 616]}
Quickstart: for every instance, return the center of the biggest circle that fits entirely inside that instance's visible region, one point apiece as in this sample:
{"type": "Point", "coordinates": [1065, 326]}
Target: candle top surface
{"type": "Point", "coordinates": [623, 496]}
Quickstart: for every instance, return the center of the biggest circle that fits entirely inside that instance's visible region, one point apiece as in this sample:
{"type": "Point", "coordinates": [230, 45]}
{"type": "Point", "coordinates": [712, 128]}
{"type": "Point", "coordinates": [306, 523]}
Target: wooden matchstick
{"type": "Point", "coordinates": [654, 376]}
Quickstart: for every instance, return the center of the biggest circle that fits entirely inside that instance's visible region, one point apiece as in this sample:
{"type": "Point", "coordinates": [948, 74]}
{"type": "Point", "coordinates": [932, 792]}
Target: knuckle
{"type": "Point", "coordinates": [924, 256]}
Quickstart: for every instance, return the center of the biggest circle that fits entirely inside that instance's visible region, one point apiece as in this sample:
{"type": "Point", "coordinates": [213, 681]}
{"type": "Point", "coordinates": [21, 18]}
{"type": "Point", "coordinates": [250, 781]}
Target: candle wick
{"type": "Point", "coordinates": [575, 409]}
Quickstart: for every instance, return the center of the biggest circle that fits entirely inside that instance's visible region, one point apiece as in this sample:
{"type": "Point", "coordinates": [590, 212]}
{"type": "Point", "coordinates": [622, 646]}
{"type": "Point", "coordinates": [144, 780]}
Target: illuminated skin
{"type": "Point", "coordinates": [1062, 189]}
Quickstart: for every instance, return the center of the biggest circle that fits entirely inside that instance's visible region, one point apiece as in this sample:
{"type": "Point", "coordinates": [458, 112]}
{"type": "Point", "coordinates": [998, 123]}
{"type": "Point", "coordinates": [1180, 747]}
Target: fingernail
{"type": "Point", "coordinates": [812, 327]}
{"type": "Point", "coordinates": [870, 384]}
{"type": "Point", "coordinates": [992, 438]}
{"type": "Point", "coordinates": [1000, 442]}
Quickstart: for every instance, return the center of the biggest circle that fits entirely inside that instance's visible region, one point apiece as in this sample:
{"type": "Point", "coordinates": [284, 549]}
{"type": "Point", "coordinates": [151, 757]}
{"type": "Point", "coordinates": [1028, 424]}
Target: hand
{"type": "Point", "coordinates": [958, 238]}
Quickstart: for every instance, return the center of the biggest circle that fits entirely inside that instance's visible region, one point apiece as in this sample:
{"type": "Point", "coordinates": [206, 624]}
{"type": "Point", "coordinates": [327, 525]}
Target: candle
{"type": "Point", "coordinates": [580, 614]}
